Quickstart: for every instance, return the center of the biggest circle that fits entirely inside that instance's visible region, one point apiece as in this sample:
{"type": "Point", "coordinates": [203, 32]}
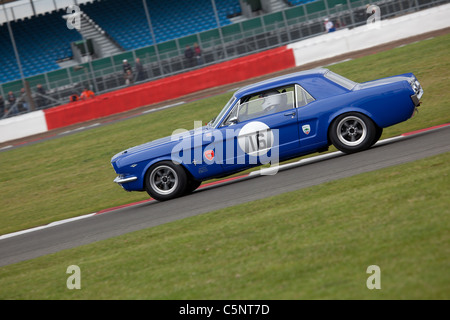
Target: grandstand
{"type": "Point", "coordinates": [171, 19]}
{"type": "Point", "coordinates": [41, 41]}
{"type": "Point", "coordinates": [44, 41]}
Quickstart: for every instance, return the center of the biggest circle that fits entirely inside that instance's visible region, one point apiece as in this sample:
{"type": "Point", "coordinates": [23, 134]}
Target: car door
{"type": "Point", "coordinates": [260, 129]}
{"type": "Point", "coordinates": [307, 117]}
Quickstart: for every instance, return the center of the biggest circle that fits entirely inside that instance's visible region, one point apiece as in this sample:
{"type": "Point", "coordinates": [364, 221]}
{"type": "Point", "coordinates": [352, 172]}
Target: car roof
{"type": "Point", "coordinates": [279, 81]}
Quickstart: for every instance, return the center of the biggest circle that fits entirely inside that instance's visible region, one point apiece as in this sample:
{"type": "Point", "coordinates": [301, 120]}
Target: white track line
{"type": "Point", "coordinates": [165, 107]}
{"type": "Point", "coordinates": [56, 223]}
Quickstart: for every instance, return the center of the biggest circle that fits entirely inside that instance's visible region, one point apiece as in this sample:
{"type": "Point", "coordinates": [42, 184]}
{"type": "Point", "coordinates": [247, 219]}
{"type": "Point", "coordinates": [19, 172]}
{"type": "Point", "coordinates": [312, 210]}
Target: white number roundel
{"type": "Point", "coordinates": [255, 138]}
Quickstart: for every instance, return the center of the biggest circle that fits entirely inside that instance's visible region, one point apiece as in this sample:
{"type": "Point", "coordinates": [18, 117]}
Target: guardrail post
{"type": "Point", "coordinates": [352, 18]}
{"type": "Point", "coordinates": [286, 25]}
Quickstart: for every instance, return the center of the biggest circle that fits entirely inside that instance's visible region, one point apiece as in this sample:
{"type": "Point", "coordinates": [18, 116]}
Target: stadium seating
{"type": "Point", "coordinates": [299, 2]}
{"type": "Point", "coordinates": [126, 22]}
{"type": "Point", "coordinates": [41, 41]}
{"type": "Point", "coordinates": [44, 39]}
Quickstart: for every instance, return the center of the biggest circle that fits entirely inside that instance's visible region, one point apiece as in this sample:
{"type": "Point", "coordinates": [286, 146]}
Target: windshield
{"type": "Point", "coordinates": [214, 122]}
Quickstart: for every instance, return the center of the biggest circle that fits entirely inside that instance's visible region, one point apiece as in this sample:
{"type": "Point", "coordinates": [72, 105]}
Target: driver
{"type": "Point", "coordinates": [272, 100]}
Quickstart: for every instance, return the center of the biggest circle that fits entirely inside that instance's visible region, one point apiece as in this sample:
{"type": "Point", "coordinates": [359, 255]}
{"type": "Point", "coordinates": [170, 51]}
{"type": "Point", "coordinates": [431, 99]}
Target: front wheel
{"type": "Point", "coordinates": [192, 185]}
{"type": "Point", "coordinates": [352, 132]}
{"type": "Point", "coordinates": [165, 180]}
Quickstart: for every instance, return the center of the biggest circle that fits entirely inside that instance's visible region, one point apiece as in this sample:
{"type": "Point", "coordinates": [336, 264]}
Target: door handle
{"type": "Point", "coordinates": [292, 113]}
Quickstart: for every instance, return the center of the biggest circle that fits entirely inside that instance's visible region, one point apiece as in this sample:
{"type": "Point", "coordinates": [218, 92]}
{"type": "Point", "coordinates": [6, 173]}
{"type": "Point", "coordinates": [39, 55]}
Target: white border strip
{"type": "Point", "coordinates": [273, 170]}
{"type": "Point", "coordinates": [164, 107]}
{"type": "Point", "coordinates": [56, 223]}
{"type": "Point", "coordinates": [22, 126]}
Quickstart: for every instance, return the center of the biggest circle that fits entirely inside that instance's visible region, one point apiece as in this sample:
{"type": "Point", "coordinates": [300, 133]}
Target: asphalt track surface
{"type": "Point", "coordinates": [152, 213]}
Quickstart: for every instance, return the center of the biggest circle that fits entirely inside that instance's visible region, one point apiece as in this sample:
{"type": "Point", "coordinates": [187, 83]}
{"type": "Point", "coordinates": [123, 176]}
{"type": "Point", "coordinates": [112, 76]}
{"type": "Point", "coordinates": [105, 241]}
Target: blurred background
{"type": "Point", "coordinates": [121, 43]}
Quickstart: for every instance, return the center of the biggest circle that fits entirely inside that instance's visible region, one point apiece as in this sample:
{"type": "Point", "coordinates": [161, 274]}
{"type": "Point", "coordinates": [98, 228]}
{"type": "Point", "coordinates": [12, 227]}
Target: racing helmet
{"type": "Point", "coordinates": [272, 99]}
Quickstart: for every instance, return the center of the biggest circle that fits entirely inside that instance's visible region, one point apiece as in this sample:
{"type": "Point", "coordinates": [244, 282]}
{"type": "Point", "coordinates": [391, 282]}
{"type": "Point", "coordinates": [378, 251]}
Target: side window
{"type": "Point", "coordinates": [261, 104]}
{"type": "Point", "coordinates": [303, 97]}
{"type": "Point", "coordinates": [265, 104]}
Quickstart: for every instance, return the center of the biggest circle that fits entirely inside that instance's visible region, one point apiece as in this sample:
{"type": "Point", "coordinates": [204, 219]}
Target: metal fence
{"type": "Point", "coordinates": [239, 39]}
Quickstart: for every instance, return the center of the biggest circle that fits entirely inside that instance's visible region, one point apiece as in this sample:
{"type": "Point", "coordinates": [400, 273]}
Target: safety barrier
{"type": "Point", "coordinates": [170, 88]}
{"type": "Point", "coordinates": [368, 36]}
{"type": "Point", "coordinates": [22, 126]}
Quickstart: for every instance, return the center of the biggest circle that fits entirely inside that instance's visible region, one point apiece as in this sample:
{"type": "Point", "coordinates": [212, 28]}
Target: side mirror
{"type": "Point", "coordinates": [232, 120]}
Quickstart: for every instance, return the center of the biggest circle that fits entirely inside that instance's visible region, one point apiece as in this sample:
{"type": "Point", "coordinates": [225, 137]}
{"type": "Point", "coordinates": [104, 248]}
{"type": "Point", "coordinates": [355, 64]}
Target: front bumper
{"type": "Point", "coordinates": [120, 179]}
{"type": "Point", "coordinates": [416, 97]}
{"type": "Point", "coordinates": [418, 92]}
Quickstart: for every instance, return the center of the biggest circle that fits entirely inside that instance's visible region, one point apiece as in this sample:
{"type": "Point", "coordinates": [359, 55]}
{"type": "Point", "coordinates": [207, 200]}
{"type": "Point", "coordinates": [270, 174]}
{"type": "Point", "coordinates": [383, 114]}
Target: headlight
{"type": "Point", "coordinates": [415, 85]}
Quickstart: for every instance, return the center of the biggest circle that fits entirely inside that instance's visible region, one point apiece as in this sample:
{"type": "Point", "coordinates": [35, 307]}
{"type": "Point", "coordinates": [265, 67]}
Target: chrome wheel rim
{"type": "Point", "coordinates": [163, 180]}
{"type": "Point", "coordinates": [351, 131]}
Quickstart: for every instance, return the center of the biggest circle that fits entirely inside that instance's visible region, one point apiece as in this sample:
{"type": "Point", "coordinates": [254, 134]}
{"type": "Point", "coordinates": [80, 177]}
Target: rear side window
{"type": "Point", "coordinates": [321, 87]}
{"type": "Point", "coordinates": [340, 80]}
{"type": "Point", "coordinates": [303, 97]}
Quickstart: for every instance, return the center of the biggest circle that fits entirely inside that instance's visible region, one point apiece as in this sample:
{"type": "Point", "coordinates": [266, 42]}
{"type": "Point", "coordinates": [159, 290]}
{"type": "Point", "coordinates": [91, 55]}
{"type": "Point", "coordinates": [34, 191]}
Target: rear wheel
{"type": "Point", "coordinates": [377, 135]}
{"type": "Point", "coordinates": [353, 132]}
{"type": "Point", "coordinates": [165, 180]}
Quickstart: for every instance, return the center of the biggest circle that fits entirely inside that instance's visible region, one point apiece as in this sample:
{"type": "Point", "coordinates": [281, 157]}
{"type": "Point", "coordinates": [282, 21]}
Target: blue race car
{"type": "Point", "coordinates": [268, 122]}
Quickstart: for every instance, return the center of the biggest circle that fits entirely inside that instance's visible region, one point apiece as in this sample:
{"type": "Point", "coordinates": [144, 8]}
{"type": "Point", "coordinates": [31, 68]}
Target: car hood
{"type": "Point", "coordinates": [173, 139]}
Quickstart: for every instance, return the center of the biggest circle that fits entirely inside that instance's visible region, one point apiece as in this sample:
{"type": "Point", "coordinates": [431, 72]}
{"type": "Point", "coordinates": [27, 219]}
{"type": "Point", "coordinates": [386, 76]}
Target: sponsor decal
{"type": "Point", "coordinates": [306, 129]}
{"type": "Point", "coordinates": [209, 155]}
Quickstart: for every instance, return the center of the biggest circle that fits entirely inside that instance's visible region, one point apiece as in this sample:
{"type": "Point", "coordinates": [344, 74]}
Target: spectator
{"type": "Point", "coordinates": [126, 66]}
{"type": "Point", "coordinates": [41, 101]}
{"type": "Point", "coordinates": [129, 78]}
{"type": "Point", "coordinates": [2, 107]}
{"type": "Point", "coordinates": [198, 54]}
{"type": "Point", "coordinates": [370, 10]}
{"type": "Point", "coordinates": [11, 98]}
{"type": "Point", "coordinates": [140, 72]}
{"type": "Point", "coordinates": [87, 94]}
{"type": "Point", "coordinates": [74, 97]}
{"type": "Point", "coordinates": [189, 55]}
{"type": "Point", "coordinates": [12, 101]}
{"type": "Point", "coordinates": [329, 27]}
{"type": "Point", "coordinates": [339, 24]}
{"type": "Point", "coordinates": [23, 102]}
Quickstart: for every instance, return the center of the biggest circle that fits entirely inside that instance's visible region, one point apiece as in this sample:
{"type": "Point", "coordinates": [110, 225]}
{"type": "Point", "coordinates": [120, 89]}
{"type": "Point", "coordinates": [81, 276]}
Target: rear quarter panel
{"type": "Point", "coordinates": [386, 105]}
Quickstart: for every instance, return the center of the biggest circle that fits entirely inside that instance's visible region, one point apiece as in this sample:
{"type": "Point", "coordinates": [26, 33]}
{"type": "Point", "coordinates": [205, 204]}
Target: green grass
{"type": "Point", "coordinates": [314, 243]}
{"type": "Point", "coordinates": [72, 175]}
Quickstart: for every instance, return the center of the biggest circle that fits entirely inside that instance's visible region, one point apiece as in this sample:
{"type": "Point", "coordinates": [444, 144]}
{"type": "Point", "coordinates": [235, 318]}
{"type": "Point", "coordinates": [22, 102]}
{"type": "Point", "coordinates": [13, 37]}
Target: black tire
{"type": "Point", "coordinates": [352, 132]}
{"type": "Point", "coordinates": [192, 185]}
{"type": "Point", "coordinates": [377, 135]}
{"type": "Point", "coordinates": [165, 180]}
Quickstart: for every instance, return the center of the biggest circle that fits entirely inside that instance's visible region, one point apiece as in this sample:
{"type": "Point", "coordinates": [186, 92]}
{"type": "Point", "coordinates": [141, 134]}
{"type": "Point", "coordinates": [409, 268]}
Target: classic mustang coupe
{"type": "Point", "coordinates": [268, 122]}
